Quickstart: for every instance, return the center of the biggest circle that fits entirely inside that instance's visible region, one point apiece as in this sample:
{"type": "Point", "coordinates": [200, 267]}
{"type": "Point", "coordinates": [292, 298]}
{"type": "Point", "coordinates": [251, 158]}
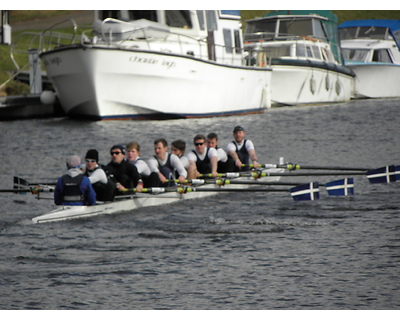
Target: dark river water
{"type": "Point", "coordinates": [258, 251]}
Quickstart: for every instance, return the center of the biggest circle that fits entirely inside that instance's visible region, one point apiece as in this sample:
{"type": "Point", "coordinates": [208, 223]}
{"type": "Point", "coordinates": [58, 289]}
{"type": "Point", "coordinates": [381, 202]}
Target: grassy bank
{"type": "Point", "coordinates": [24, 18]}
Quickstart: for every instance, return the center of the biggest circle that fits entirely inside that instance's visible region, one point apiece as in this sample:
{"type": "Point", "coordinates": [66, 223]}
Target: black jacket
{"type": "Point", "coordinates": [125, 173]}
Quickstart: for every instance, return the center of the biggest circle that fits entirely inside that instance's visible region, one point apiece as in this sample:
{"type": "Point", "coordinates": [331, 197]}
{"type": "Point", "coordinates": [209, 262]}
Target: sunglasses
{"type": "Point", "coordinates": [199, 143]}
{"type": "Point", "coordinates": [88, 160]}
{"type": "Point", "coordinates": [115, 152]}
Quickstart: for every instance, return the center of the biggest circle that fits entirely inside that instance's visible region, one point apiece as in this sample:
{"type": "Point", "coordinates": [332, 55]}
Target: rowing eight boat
{"type": "Point", "coordinates": [140, 200]}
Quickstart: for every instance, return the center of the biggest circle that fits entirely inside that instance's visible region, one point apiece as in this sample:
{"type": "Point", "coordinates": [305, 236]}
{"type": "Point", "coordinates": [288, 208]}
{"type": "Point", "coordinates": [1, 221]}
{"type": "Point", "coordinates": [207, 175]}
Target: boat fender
{"type": "Point", "coordinates": [338, 87]}
{"type": "Point", "coordinates": [313, 85]}
{"type": "Point", "coordinates": [47, 97]}
{"type": "Point", "coordinates": [327, 82]}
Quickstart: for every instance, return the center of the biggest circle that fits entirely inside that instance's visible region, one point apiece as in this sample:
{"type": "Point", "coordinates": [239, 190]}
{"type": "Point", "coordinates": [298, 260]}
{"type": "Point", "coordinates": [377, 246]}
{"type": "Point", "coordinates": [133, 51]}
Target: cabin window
{"type": "Point", "coordinates": [299, 28]}
{"type": "Point", "coordinates": [309, 52]}
{"type": "Point", "coordinates": [364, 32]}
{"type": "Point", "coordinates": [277, 52]}
{"type": "Point", "coordinates": [317, 53]}
{"type": "Point", "coordinates": [228, 40]}
{"type": "Point", "coordinates": [355, 54]}
{"type": "Point", "coordinates": [301, 50]}
{"type": "Point", "coordinates": [319, 32]}
{"type": "Point", "coordinates": [211, 20]}
{"type": "Point", "coordinates": [238, 42]}
{"type": "Point", "coordinates": [115, 14]}
{"type": "Point", "coordinates": [263, 28]}
{"type": "Point", "coordinates": [200, 16]}
{"type": "Point", "coordinates": [178, 18]}
{"type": "Point", "coordinates": [143, 14]}
{"type": "Point", "coordinates": [372, 32]}
{"type": "Point", "coordinates": [381, 55]}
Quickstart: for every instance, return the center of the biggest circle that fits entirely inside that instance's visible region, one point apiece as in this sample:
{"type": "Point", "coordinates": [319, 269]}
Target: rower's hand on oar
{"type": "Point", "coordinates": [181, 179]}
{"type": "Point", "coordinates": [163, 179]}
{"type": "Point", "coordinates": [139, 186]}
{"type": "Point", "coordinates": [120, 187]}
{"type": "Point", "coordinates": [238, 163]}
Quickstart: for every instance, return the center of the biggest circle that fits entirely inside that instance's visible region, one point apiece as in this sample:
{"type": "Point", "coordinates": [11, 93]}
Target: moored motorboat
{"type": "Point", "coordinates": [156, 64]}
{"type": "Point", "coordinates": [302, 48]}
{"type": "Point", "coordinates": [371, 48]}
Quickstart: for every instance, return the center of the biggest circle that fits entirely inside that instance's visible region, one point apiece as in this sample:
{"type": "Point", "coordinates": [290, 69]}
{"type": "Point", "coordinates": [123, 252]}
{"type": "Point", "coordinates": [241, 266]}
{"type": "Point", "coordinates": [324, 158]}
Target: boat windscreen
{"type": "Point", "coordinates": [178, 18]}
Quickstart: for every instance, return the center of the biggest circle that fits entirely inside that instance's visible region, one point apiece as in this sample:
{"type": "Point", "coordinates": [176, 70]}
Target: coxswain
{"type": "Point", "coordinates": [73, 188]}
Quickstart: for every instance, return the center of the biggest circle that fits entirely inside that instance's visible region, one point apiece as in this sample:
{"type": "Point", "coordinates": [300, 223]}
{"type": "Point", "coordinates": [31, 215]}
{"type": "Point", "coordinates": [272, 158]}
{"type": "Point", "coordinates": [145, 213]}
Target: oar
{"type": "Point", "coordinates": [309, 191]}
{"type": "Point", "coordinates": [34, 190]}
{"type": "Point", "coordinates": [342, 187]}
{"type": "Point", "coordinates": [257, 174]}
{"type": "Point", "coordinates": [223, 182]}
{"type": "Point", "coordinates": [22, 183]}
{"type": "Point", "coordinates": [386, 174]}
{"type": "Point", "coordinates": [291, 166]}
{"type": "Point", "coordinates": [25, 190]}
{"type": "Point", "coordinates": [185, 189]}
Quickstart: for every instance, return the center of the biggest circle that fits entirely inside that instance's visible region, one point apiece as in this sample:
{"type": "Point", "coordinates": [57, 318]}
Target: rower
{"type": "Point", "coordinates": [241, 150]}
{"type": "Point", "coordinates": [149, 179]}
{"type": "Point", "coordinates": [102, 185]}
{"type": "Point", "coordinates": [124, 173]}
{"type": "Point", "coordinates": [73, 188]}
{"type": "Point", "coordinates": [166, 164]}
{"type": "Point", "coordinates": [205, 159]}
{"type": "Point", "coordinates": [225, 163]}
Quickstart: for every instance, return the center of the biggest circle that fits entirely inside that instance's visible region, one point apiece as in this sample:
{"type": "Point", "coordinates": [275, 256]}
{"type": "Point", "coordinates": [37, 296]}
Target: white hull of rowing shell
{"type": "Point", "coordinates": [137, 201]}
{"type": "Point", "coordinates": [296, 85]}
{"type": "Point", "coordinates": [116, 84]}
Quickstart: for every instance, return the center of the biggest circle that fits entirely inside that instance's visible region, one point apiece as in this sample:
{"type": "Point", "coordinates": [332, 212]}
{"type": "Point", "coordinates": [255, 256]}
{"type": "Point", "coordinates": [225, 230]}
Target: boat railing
{"type": "Point", "coordinates": [28, 42]}
{"type": "Point", "coordinates": [153, 37]}
{"type": "Point", "coordinates": [272, 36]}
{"type": "Point", "coordinates": [50, 39]}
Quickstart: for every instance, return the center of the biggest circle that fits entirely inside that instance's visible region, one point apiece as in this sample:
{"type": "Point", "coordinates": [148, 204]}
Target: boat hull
{"type": "Point", "coordinates": [297, 84]}
{"type": "Point", "coordinates": [141, 200]}
{"type": "Point", "coordinates": [109, 83]}
{"type": "Point", "coordinates": [375, 80]}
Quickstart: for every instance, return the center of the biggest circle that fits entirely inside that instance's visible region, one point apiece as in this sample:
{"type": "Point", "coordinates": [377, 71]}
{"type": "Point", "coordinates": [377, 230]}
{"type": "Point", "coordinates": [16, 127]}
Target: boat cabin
{"type": "Point", "coordinates": [371, 41]}
{"type": "Point", "coordinates": [288, 37]}
{"type": "Point", "coordinates": [207, 34]}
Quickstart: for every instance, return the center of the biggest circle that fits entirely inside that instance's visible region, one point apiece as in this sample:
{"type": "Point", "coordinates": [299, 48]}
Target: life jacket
{"type": "Point", "coordinates": [71, 189]}
{"type": "Point", "coordinates": [203, 166]}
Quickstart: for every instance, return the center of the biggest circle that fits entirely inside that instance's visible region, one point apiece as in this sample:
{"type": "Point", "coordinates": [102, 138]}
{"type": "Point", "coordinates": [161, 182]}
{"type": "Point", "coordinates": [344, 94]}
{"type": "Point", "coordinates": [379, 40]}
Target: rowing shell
{"type": "Point", "coordinates": [138, 200]}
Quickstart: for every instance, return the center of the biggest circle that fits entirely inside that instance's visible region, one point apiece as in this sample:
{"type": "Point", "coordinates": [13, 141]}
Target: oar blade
{"type": "Point", "coordinates": [305, 192]}
{"type": "Point", "coordinates": [386, 174]}
{"type": "Point", "coordinates": [342, 187]}
{"type": "Point", "coordinates": [22, 184]}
